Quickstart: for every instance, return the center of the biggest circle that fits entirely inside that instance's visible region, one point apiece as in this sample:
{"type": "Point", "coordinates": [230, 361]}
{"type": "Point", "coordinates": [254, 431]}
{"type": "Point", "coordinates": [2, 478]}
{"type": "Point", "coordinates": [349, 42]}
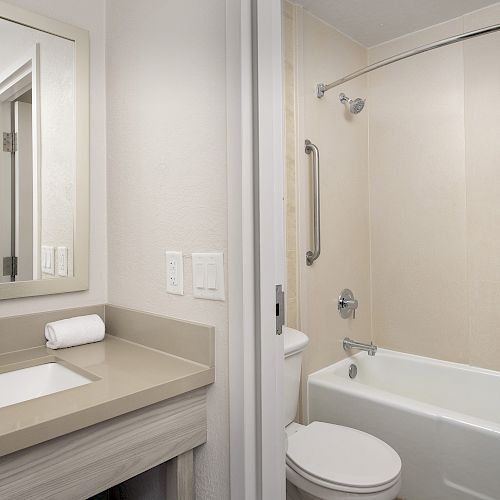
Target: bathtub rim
{"type": "Point", "coordinates": [396, 401]}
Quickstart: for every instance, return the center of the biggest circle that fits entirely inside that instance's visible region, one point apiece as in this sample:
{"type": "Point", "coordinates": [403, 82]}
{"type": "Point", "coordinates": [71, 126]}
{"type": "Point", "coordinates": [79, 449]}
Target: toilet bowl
{"type": "Point", "coordinates": [326, 461]}
{"type": "Point", "coordinates": [331, 462]}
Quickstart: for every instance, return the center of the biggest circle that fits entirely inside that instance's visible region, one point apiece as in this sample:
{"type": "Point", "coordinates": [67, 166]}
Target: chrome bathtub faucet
{"type": "Point", "coordinates": [349, 344]}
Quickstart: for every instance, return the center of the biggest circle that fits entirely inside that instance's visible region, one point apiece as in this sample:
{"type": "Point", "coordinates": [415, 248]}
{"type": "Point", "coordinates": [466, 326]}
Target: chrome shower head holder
{"type": "Point", "coordinates": [343, 98]}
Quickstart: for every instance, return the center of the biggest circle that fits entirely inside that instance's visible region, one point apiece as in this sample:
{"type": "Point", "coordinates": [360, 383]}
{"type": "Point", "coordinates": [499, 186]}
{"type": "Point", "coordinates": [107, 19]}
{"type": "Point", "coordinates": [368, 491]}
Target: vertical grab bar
{"type": "Point", "coordinates": [311, 256]}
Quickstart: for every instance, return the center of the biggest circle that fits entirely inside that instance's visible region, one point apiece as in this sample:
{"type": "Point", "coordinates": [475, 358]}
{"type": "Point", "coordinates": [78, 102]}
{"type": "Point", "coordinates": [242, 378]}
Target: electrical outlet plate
{"type": "Point", "coordinates": [174, 272]}
{"type": "Point", "coordinates": [208, 276]}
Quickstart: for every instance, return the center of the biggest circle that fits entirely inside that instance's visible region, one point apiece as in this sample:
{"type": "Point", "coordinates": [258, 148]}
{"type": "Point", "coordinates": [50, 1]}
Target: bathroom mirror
{"type": "Point", "coordinates": [44, 155]}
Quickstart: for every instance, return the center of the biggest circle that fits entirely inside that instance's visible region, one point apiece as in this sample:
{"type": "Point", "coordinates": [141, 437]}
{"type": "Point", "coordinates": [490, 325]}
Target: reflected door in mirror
{"type": "Point", "coordinates": [38, 156]}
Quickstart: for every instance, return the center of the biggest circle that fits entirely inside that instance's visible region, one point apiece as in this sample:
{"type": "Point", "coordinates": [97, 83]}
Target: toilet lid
{"type": "Point", "coordinates": [342, 456]}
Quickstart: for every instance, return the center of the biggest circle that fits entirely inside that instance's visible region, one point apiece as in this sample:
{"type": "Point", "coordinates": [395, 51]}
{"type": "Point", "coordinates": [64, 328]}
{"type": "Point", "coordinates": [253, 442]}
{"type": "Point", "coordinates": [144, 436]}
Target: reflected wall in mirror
{"type": "Point", "coordinates": [44, 155]}
{"type": "Point", "coordinates": [38, 158]}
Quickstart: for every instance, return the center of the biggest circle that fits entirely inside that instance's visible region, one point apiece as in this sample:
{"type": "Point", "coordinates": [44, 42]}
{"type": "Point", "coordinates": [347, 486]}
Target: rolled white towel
{"type": "Point", "coordinates": [74, 331]}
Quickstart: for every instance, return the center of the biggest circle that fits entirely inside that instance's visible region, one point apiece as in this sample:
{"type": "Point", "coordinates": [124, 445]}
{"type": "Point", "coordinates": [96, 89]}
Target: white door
{"type": "Point", "coordinates": [24, 191]}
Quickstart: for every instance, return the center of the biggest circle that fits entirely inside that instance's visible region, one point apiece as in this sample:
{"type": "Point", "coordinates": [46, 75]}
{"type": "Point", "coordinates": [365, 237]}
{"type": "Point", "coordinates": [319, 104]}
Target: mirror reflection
{"type": "Point", "coordinates": [38, 155]}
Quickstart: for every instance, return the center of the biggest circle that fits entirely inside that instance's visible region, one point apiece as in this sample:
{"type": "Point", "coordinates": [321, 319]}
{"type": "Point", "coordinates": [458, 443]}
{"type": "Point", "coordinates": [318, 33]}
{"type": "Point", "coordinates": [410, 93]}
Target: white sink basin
{"type": "Point", "coordinates": [30, 383]}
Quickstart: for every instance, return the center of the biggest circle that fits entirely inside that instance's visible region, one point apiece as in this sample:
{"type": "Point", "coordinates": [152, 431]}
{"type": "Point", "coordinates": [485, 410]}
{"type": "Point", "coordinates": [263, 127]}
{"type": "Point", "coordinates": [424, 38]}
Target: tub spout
{"type": "Point", "coordinates": [349, 344]}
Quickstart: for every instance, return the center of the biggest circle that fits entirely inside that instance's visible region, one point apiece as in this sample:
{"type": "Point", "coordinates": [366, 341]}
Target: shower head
{"type": "Point", "coordinates": [355, 105]}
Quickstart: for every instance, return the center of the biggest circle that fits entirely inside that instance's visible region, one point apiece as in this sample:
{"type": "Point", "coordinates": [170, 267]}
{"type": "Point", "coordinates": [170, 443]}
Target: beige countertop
{"type": "Point", "coordinates": [126, 376]}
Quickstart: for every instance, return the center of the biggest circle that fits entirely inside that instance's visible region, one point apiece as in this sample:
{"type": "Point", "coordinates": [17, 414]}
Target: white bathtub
{"type": "Point", "coordinates": [442, 418]}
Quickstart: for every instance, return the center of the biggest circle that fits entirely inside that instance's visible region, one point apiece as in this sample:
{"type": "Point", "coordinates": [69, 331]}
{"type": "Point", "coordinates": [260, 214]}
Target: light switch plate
{"type": "Point", "coordinates": [174, 272]}
{"type": "Point", "coordinates": [208, 276]}
{"type": "Point", "coordinates": [62, 261]}
{"type": "Point", "coordinates": [48, 260]}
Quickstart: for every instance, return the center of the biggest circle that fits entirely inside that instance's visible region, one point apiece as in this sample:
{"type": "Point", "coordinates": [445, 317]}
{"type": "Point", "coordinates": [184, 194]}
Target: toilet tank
{"type": "Point", "coordinates": [295, 343]}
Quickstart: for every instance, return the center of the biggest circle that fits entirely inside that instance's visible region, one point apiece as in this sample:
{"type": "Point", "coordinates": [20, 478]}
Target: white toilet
{"type": "Point", "coordinates": [327, 461]}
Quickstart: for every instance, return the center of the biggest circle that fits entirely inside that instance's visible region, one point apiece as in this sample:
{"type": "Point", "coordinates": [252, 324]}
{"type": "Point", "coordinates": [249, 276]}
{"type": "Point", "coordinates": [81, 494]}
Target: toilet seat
{"type": "Point", "coordinates": [343, 459]}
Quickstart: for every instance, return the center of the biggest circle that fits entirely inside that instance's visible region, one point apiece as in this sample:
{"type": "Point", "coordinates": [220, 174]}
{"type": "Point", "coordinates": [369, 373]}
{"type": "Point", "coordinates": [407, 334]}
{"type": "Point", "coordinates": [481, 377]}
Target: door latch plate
{"type": "Point", "coordinates": [280, 309]}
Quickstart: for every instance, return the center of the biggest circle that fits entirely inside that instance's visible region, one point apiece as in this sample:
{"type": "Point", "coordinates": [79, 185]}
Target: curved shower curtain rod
{"type": "Point", "coordinates": [321, 88]}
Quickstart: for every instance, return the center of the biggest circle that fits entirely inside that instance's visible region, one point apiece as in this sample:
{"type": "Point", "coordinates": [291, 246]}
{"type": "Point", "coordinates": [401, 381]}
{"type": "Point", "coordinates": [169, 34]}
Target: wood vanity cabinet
{"type": "Point", "coordinates": [78, 465]}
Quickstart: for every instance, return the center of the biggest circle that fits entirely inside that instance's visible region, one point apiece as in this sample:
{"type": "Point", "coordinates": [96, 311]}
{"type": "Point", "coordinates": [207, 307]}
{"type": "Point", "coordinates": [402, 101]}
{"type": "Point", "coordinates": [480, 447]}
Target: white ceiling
{"type": "Point", "coordinates": [371, 22]}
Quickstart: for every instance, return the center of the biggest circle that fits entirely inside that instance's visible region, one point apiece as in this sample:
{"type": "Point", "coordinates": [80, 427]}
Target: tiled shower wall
{"type": "Point", "coordinates": [435, 191]}
{"type": "Point", "coordinates": [418, 197]}
{"type": "Point", "coordinates": [289, 93]}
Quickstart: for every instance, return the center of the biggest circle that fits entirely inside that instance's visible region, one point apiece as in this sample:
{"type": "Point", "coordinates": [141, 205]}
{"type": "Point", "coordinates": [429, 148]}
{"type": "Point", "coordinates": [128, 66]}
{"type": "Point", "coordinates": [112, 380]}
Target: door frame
{"type": "Point", "coordinates": [255, 234]}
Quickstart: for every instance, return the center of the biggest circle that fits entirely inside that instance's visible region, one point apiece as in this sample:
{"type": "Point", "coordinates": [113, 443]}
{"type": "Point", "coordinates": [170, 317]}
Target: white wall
{"type": "Point", "coordinates": [166, 140]}
{"type": "Point", "coordinates": [89, 15]}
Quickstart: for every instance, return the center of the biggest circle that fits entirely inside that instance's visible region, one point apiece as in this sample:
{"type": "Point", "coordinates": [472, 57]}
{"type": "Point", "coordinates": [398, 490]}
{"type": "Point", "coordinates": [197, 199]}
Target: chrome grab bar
{"type": "Point", "coordinates": [311, 256]}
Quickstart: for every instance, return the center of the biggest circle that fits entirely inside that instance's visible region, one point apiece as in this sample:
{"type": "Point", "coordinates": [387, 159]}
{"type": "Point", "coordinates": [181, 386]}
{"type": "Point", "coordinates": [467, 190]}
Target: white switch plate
{"type": "Point", "coordinates": [208, 276]}
{"type": "Point", "coordinates": [175, 273]}
{"type": "Point", "coordinates": [62, 261]}
{"type": "Point", "coordinates": [48, 259]}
